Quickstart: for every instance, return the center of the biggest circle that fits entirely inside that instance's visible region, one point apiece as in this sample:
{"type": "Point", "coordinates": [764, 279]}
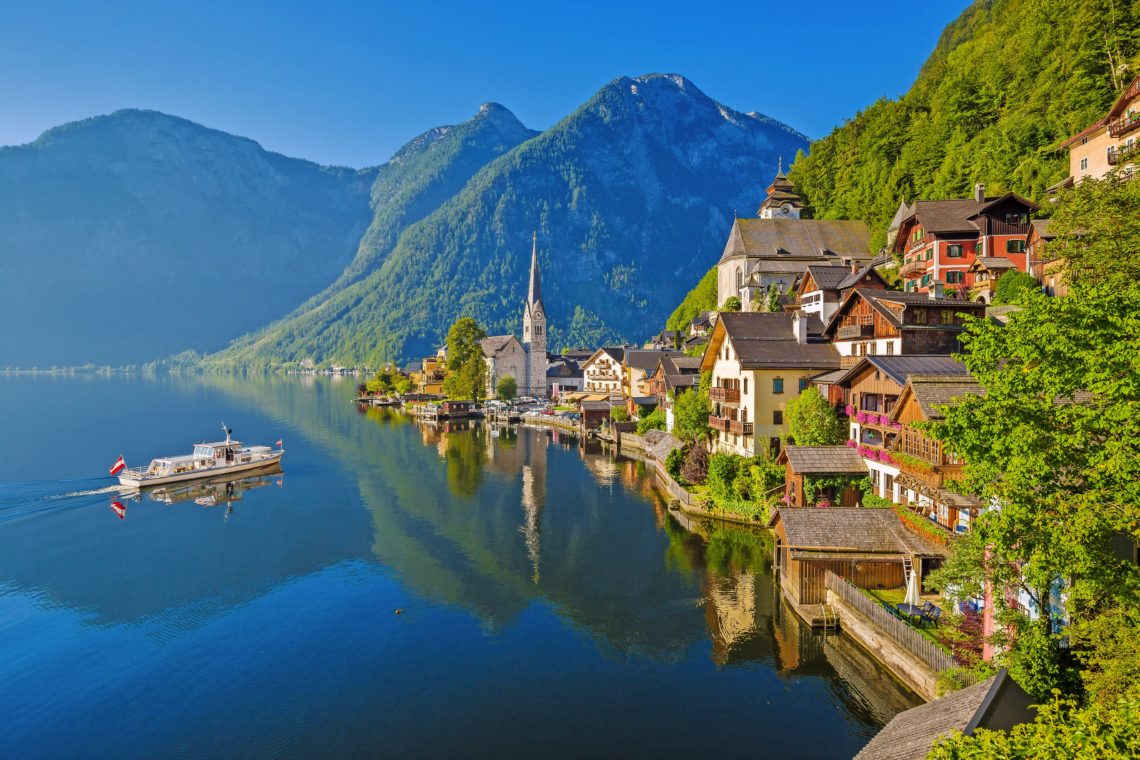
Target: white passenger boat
{"type": "Point", "coordinates": [208, 460]}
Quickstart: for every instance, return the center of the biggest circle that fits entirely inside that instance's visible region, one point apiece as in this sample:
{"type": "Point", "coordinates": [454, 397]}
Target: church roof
{"type": "Point", "coordinates": [782, 239]}
{"type": "Point", "coordinates": [495, 346]}
{"type": "Point", "coordinates": [534, 291]}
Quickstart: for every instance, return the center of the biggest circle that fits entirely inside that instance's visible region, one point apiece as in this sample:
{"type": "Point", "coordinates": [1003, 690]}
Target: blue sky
{"type": "Point", "coordinates": [348, 83]}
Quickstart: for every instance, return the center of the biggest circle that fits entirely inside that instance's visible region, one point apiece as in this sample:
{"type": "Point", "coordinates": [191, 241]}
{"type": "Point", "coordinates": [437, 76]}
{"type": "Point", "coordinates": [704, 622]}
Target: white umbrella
{"type": "Point", "coordinates": [912, 589]}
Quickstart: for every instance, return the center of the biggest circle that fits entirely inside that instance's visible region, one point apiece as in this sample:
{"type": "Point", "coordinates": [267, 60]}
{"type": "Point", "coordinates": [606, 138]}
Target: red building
{"type": "Point", "coordinates": [939, 240]}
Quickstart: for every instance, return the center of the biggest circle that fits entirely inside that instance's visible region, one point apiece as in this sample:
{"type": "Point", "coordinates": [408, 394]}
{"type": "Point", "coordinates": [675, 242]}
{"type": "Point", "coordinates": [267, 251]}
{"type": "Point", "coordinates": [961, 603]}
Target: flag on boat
{"type": "Point", "coordinates": [118, 466]}
{"type": "Point", "coordinates": [120, 510]}
{"type": "Point", "coordinates": [281, 443]}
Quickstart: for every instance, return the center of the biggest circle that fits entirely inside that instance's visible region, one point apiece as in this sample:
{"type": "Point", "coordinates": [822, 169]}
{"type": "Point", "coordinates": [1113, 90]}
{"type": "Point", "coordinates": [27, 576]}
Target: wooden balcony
{"type": "Point", "coordinates": [724, 395]}
{"type": "Point", "coordinates": [1124, 125]}
{"type": "Point", "coordinates": [1121, 153]}
{"type": "Point", "coordinates": [914, 267]}
{"type": "Point", "coordinates": [740, 428]}
{"type": "Point", "coordinates": [849, 332]}
{"type": "Point", "coordinates": [718, 423]}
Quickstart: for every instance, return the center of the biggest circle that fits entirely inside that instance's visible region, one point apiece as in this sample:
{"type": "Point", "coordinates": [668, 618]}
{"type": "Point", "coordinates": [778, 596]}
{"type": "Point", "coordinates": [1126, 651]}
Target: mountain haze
{"type": "Point", "coordinates": [630, 194]}
{"type": "Point", "coordinates": [135, 235]}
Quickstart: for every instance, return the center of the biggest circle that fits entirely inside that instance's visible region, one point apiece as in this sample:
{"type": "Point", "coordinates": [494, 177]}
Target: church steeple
{"type": "Point", "coordinates": [534, 294]}
{"type": "Point", "coordinates": [781, 200]}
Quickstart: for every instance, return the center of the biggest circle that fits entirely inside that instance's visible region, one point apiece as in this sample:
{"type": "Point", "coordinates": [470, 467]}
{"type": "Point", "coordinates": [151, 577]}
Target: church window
{"type": "Point", "coordinates": [739, 278]}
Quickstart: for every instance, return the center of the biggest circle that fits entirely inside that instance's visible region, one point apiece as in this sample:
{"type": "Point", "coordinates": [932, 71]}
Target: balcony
{"type": "Point", "coordinates": [740, 428]}
{"type": "Point", "coordinates": [914, 267]}
{"type": "Point", "coordinates": [724, 395]}
{"type": "Point", "coordinates": [1124, 125]}
{"type": "Point", "coordinates": [849, 332]}
{"type": "Point", "coordinates": [1120, 153]}
{"type": "Point", "coordinates": [718, 423]}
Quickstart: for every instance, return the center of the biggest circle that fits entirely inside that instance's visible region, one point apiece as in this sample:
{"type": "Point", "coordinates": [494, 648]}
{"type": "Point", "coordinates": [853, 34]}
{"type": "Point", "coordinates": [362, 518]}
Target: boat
{"type": "Point", "coordinates": [208, 460]}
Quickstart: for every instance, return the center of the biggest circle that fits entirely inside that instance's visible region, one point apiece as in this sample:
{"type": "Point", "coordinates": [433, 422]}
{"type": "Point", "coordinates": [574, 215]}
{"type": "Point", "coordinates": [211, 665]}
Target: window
{"type": "Point", "coordinates": [890, 347]}
{"type": "Point", "coordinates": [947, 317]}
{"type": "Point", "coordinates": [1084, 164]}
{"type": "Point", "coordinates": [777, 385]}
{"type": "Point", "coordinates": [920, 316]}
{"type": "Point", "coordinates": [774, 446]}
{"type": "Point", "coordinates": [746, 386]}
{"type": "Point", "coordinates": [871, 349]}
{"type": "Point", "coordinates": [953, 278]}
{"type": "Point", "coordinates": [803, 384]}
{"type": "Point", "coordinates": [739, 278]}
{"type": "Point", "coordinates": [777, 417]}
{"type": "Point", "coordinates": [927, 279]}
{"type": "Point", "coordinates": [954, 251]}
{"type": "Point", "coordinates": [1015, 246]}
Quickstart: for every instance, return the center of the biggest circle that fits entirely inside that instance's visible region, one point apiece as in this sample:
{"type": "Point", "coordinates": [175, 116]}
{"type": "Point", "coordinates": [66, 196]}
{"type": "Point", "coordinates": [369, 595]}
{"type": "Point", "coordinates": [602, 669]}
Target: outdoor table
{"type": "Point", "coordinates": [910, 610]}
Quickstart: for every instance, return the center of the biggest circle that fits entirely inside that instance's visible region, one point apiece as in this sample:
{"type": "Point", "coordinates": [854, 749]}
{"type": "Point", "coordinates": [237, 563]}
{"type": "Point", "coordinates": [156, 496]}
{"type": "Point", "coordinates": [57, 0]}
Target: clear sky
{"type": "Point", "coordinates": [349, 83]}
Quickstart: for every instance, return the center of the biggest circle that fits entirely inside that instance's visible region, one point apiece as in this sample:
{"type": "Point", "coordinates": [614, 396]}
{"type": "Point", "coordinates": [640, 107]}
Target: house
{"type": "Point", "coordinates": [666, 340]}
{"type": "Point", "coordinates": [985, 272]}
{"type": "Point", "coordinates": [996, 704]}
{"type": "Point", "coordinates": [504, 356]}
{"type": "Point", "coordinates": [673, 376]}
{"type": "Point", "coordinates": [602, 372]}
{"type": "Point", "coordinates": [868, 547]}
{"type": "Point", "coordinates": [1108, 143]}
{"type": "Point", "coordinates": [700, 325]}
{"type": "Point", "coordinates": [813, 474]}
{"type": "Point", "coordinates": [822, 288]}
{"type": "Point", "coordinates": [877, 322]}
{"type": "Point", "coordinates": [939, 240]}
{"type": "Point", "coordinates": [871, 390]}
{"type": "Point", "coordinates": [759, 361]}
{"type": "Point", "coordinates": [637, 365]}
{"type": "Point", "coordinates": [777, 247]}
{"type": "Point", "coordinates": [563, 375]}
{"type": "Point", "coordinates": [924, 465]}
{"type": "Point", "coordinates": [1046, 268]}
{"type": "Point", "coordinates": [428, 377]}
{"type": "Point", "coordinates": [595, 412]}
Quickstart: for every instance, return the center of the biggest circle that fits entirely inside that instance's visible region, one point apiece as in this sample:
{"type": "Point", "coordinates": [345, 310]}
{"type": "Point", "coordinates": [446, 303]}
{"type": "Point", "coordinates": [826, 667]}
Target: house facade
{"type": "Point", "coordinates": [673, 376]}
{"type": "Point", "coordinates": [602, 372]}
{"type": "Point", "coordinates": [939, 240]}
{"type": "Point", "coordinates": [637, 366]}
{"type": "Point", "coordinates": [759, 361]}
{"type": "Point", "coordinates": [822, 288]}
{"type": "Point", "coordinates": [1109, 143]}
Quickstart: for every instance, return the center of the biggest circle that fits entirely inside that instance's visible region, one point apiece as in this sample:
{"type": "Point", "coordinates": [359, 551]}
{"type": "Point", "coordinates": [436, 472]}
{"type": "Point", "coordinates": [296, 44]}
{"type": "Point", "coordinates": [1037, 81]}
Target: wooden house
{"type": "Point", "coordinates": [455, 409]}
{"type": "Point", "coordinates": [986, 271]}
{"type": "Point", "coordinates": [823, 288]}
{"type": "Point", "coordinates": [822, 476]}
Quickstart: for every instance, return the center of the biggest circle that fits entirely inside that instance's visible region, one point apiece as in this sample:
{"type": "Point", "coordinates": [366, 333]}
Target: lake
{"type": "Point", "coordinates": [398, 589]}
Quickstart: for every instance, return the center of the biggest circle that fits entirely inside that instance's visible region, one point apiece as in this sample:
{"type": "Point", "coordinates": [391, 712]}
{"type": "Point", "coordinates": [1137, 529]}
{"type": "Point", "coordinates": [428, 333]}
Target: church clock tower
{"type": "Point", "coordinates": [534, 331]}
{"type": "Point", "coordinates": [781, 200]}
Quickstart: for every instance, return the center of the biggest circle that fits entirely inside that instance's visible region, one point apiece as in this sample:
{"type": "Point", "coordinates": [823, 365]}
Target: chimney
{"type": "Point", "coordinates": [799, 327]}
{"type": "Point", "coordinates": [935, 291]}
{"type": "Point", "coordinates": [854, 267]}
{"type": "Point", "coordinates": [980, 193]}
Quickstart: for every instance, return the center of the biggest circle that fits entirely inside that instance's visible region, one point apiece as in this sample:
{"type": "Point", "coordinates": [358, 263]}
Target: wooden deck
{"type": "Point", "coordinates": [816, 615]}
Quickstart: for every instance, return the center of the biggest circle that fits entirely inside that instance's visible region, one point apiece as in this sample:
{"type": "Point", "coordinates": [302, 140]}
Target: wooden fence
{"type": "Point", "coordinates": [913, 641]}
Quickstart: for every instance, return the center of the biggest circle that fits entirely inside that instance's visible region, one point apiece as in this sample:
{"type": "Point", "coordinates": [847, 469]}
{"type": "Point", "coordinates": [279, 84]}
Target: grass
{"type": "Point", "coordinates": [894, 596]}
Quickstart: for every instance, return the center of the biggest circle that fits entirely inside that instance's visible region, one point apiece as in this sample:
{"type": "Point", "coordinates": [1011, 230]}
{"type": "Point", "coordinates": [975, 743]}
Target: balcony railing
{"type": "Point", "coordinates": [740, 428]}
{"type": "Point", "coordinates": [1124, 125]}
{"type": "Point", "coordinates": [914, 267]}
{"type": "Point", "coordinates": [1121, 153]}
{"type": "Point", "coordinates": [718, 423]}
{"type": "Point", "coordinates": [847, 332]}
{"type": "Point", "coordinates": [724, 395]}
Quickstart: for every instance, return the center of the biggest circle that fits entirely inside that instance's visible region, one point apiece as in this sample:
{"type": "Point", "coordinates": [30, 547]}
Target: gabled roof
{"type": "Point", "coordinates": [933, 392]}
{"type": "Point", "coordinates": [564, 369]}
{"type": "Point", "coordinates": [495, 346]}
{"type": "Point", "coordinates": [646, 359]}
{"type": "Point", "coordinates": [678, 365]}
{"type": "Point", "coordinates": [901, 368]}
{"type": "Point", "coordinates": [823, 459]}
{"type": "Point", "coordinates": [828, 277]}
{"type": "Point", "coordinates": [878, 299]}
{"type": "Point", "coordinates": [797, 239]}
{"type": "Point", "coordinates": [1129, 93]}
{"type": "Point", "coordinates": [992, 263]}
{"type": "Point", "coordinates": [991, 202]}
{"type": "Point", "coordinates": [997, 703]}
{"type": "Point", "coordinates": [617, 353]}
{"type": "Point", "coordinates": [765, 340]}
{"type": "Point", "coordinates": [673, 382]}
{"type": "Point", "coordinates": [902, 213]}
{"type": "Point", "coordinates": [1041, 227]}
{"type": "Point", "coordinates": [851, 529]}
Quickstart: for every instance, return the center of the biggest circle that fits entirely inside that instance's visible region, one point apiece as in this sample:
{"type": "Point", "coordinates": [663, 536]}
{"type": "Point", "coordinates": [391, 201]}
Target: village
{"type": "Point", "coordinates": [809, 402]}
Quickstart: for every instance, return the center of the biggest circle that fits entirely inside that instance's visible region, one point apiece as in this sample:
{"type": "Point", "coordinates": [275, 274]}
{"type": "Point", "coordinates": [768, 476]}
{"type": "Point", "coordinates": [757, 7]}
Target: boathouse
{"type": "Point", "coordinates": [822, 475]}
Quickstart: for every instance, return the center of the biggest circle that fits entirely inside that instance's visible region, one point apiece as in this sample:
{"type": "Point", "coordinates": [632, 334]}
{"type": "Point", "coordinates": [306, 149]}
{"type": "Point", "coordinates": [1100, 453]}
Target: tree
{"type": "Point", "coordinates": [696, 466]}
{"type": "Point", "coordinates": [1011, 285]}
{"type": "Point", "coordinates": [655, 420]}
{"type": "Point", "coordinates": [732, 303]}
{"type": "Point", "coordinates": [506, 388]}
{"type": "Point", "coordinates": [1097, 228]}
{"type": "Point", "coordinates": [812, 421]}
{"type": "Point", "coordinates": [691, 411]}
{"type": "Point", "coordinates": [402, 384]}
{"type": "Point", "coordinates": [463, 342]}
{"type": "Point", "coordinates": [618, 414]}
{"type": "Point", "coordinates": [469, 381]}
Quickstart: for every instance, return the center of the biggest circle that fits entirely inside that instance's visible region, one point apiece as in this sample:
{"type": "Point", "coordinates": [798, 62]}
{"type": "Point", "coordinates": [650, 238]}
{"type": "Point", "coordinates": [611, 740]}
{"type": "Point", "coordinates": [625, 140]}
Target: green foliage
{"type": "Point", "coordinates": [1062, 729]}
{"type": "Point", "coordinates": [1006, 83]}
{"type": "Point", "coordinates": [812, 421]}
{"type": "Point", "coordinates": [506, 389]}
{"type": "Point", "coordinates": [816, 486]}
{"type": "Point", "coordinates": [467, 382]}
{"type": "Point", "coordinates": [402, 384]}
{"type": "Point", "coordinates": [619, 414]}
{"type": "Point", "coordinates": [674, 460]}
{"type": "Point", "coordinates": [701, 298]}
{"type": "Point", "coordinates": [722, 477]}
{"type": "Point", "coordinates": [732, 303]}
{"type": "Point", "coordinates": [1097, 225]}
{"type": "Point", "coordinates": [655, 420]}
{"type": "Point", "coordinates": [463, 342]}
{"type": "Point", "coordinates": [1011, 285]}
{"type": "Point", "coordinates": [691, 411]}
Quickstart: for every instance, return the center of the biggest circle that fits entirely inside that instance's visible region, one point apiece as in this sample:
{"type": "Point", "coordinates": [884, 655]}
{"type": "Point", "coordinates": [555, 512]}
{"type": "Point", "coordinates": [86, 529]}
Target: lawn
{"type": "Point", "coordinates": [893, 596]}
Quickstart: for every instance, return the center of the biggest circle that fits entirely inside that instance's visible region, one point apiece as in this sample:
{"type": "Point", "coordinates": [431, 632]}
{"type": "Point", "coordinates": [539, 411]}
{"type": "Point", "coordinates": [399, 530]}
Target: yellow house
{"type": "Point", "coordinates": [429, 379]}
{"type": "Point", "coordinates": [759, 361]}
{"type": "Point", "coordinates": [1112, 142]}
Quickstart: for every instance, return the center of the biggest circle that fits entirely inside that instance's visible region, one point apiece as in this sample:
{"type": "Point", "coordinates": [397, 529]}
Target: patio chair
{"type": "Point", "coordinates": [931, 614]}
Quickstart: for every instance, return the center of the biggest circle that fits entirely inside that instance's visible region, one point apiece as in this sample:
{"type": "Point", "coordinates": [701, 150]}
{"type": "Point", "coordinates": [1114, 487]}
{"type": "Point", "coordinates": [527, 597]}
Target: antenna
{"type": "Point", "coordinates": [227, 431]}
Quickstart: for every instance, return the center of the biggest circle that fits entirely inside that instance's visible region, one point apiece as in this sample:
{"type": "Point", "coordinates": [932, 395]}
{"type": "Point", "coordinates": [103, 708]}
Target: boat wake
{"type": "Point", "coordinates": [19, 500]}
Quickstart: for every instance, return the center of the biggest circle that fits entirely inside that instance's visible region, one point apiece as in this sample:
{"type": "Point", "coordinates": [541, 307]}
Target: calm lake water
{"type": "Point", "coordinates": [550, 604]}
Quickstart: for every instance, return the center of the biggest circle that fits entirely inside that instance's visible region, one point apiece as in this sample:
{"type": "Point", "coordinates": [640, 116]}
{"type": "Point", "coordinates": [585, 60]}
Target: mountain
{"type": "Point", "coordinates": [136, 235]}
{"type": "Point", "coordinates": [628, 194]}
{"type": "Point", "coordinates": [1007, 81]}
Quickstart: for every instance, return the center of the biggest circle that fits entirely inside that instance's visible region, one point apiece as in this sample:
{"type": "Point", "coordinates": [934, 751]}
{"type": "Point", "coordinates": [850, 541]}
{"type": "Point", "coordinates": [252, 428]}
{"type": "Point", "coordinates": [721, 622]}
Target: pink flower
{"type": "Point", "coordinates": [850, 443]}
{"type": "Point", "coordinates": [861, 417]}
{"type": "Point", "coordinates": [850, 410]}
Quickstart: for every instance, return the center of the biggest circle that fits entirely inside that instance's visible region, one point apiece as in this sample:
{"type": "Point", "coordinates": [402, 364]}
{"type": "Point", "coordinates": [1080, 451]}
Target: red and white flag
{"type": "Point", "coordinates": [281, 443]}
{"type": "Point", "coordinates": [120, 510]}
{"type": "Point", "coordinates": [118, 466]}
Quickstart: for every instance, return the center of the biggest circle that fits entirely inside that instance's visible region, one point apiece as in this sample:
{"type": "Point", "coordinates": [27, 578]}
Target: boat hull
{"type": "Point", "coordinates": [205, 472]}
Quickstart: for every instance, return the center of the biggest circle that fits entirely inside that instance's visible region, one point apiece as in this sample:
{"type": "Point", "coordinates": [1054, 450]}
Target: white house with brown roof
{"type": "Point", "coordinates": [759, 361]}
{"type": "Point", "coordinates": [822, 288]}
{"type": "Point", "coordinates": [602, 372]}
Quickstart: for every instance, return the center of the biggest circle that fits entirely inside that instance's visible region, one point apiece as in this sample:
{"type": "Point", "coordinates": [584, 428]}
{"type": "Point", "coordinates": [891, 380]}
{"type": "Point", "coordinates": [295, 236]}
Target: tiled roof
{"type": "Point", "coordinates": [932, 392]}
{"type": "Point", "coordinates": [997, 703]}
{"type": "Point", "coordinates": [828, 277]}
{"type": "Point", "coordinates": [685, 365]}
{"type": "Point", "coordinates": [993, 262]}
{"type": "Point", "coordinates": [646, 359]}
{"type": "Point", "coordinates": [851, 529]}
{"type": "Point", "coordinates": [825, 459]}
{"type": "Point", "coordinates": [500, 345]}
{"type": "Point", "coordinates": [1042, 228]}
{"type": "Point", "coordinates": [765, 339]}
{"type": "Point", "coordinates": [673, 382]}
{"type": "Point", "coordinates": [797, 238]}
{"type": "Point", "coordinates": [948, 216]}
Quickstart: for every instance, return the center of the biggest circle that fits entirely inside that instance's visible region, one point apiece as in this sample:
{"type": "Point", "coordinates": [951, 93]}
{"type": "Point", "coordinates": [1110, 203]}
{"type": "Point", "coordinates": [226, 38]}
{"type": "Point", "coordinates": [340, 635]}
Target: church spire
{"type": "Point", "coordinates": [534, 294]}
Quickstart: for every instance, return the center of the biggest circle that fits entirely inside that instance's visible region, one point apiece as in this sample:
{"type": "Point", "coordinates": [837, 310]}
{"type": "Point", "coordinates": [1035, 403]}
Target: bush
{"type": "Point", "coordinates": [732, 303]}
{"type": "Point", "coordinates": [696, 467]}
{"type": "Point", "coordinates": [655, 420]}
{"type": "Point", "coordinates": [506, 388]}
{"type": "Point", "coordinates": [619, 414]}
{"type": "Point", "coordinates": [674, 461]}
{"type": "Point", "coordinates": [1013, 284]}
{"type": "Point", "coordinates": [722, 472]}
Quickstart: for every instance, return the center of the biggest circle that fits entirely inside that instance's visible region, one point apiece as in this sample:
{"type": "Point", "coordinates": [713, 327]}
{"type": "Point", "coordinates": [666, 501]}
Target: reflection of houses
{"type": "Point", "coordinates": [602, 372]}
{"type": "Point", "coordinates": [760, 361]}
{"type": "Point", "coordinates": [878, 322]}
{"type": "Point", "coordinates": [868, 547]}
{"type": "Point", "coordinates": [925, 465]}
{"type": "Point", "coordinates": [996, 704]}
{"type": "Point", "coordinates": [823, 475]}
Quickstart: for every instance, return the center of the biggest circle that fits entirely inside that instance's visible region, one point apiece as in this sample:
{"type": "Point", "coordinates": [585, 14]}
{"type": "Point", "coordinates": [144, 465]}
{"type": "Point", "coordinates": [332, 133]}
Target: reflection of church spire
{"type": "Point", "coordinates": [533, 500]}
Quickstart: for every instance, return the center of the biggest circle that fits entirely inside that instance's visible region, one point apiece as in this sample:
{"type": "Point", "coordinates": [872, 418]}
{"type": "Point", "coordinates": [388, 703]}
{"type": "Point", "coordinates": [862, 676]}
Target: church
{"type": "Point", "coordinates": [525, 361]}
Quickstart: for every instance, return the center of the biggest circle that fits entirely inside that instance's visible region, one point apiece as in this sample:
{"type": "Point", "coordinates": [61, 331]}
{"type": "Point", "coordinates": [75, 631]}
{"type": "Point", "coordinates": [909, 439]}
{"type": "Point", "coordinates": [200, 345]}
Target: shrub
{"type": "Point", "coordinates": [1013, 284]}
{"type": "Point", "coordinates": [722, 471]}
{"type": "Point", "coordinates": [674, 460]}
{"type": "Point", "coordinates": [655, 420]}
{"type": "Point", "coordinates": [619, 414]}
{"type": "Point", "coordinates": [696, 467]}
